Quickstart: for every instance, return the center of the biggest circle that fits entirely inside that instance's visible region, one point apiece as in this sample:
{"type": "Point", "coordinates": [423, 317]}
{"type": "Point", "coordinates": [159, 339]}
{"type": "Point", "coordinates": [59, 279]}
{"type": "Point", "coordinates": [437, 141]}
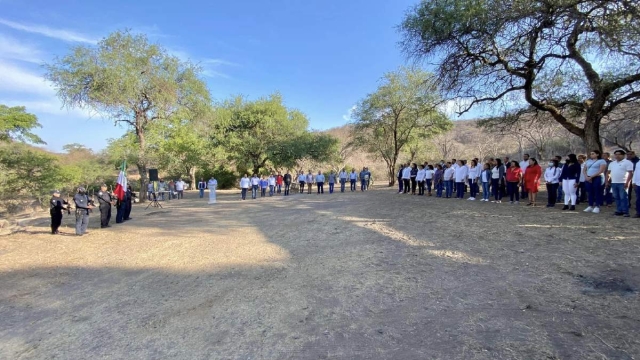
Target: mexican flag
{"type": "Point", "coordinates": [121, 187]}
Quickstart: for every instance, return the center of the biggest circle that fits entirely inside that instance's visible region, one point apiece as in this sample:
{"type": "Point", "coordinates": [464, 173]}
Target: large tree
{"type": "Point", "coordinates": [402, 111]}
{"type": "Point", "coordinates": [16, 125]}
{"type": "Point", "coordinates": [576, 60]}
{"type": "Point", "coordinates": [131, 81]}
{"type": "Point", "coordinates": [265, 132]}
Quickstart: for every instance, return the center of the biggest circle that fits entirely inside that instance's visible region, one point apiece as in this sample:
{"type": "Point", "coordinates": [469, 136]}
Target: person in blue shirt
{"type": "Point", "coordinates": [264, 184]}
{"type": "Point", "coordinates": [353, 177]}
{"type": "Point", "coordinates": [320, 182]}
{"type": "Point", "coordinates": [332, 181]}
{"type": "Point", "coordinates": [363, 179]}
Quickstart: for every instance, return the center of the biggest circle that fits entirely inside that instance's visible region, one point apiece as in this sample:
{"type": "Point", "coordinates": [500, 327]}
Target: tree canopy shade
{"type": "Point", "coordinates": [130, 81]}
{"type": "Point", "coordinates": [402, 111]}
{"type": "Point", "coordinates": [16, 124]}
{"type": "Point", "coordinates": [265, 132]}
{"type": "Point", "coordinates": [576, 60]}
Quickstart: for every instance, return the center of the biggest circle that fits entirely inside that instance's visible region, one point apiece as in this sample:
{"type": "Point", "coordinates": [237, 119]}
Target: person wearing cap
{"type": "Point", "coordinates": [104, 198]}
{"type": "Point", "coordinates": [56, 205]}
{"type": "Point", "coordinates": [83, 206]}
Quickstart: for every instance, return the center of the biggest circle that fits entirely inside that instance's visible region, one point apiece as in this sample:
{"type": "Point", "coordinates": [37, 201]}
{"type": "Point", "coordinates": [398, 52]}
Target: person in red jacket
{"type": "Point", "coordinates": [532, 180]}
{"type": "Point", "coordinates": [279, 182]}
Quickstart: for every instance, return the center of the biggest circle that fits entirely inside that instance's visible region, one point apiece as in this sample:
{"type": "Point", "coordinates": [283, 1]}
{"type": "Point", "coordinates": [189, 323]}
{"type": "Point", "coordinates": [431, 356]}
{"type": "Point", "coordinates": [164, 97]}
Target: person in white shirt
{"type": "Point", "coordinates": [473, 174]}
{"type": "Point", "coordinates": [428, 178]}
{"type": "Point", "coordinates": [245, 184]}
{"type": "Point", "coordinates": [582, 186]}
{"type": "Point", "coordinates": [343, 179]}
{"type": "Point", "coordinates": [320, 182]}
{"type": "Point", "coordinates": [406, 178]}
{"type": "Point", "coordinates": [461, 174]}
{"type": "Point", "coordinates": [212, 185]}
{"type": "Point", "coordinates": [523, 166]}
{"type": "Point", "coordinates": [309, 182]}
{"type": "Point", "coordinates": [255, 186]}
{"type": "Point", "coordinates": [449, 174]}
{"type": "Point", "coordinates": [635, 181]}
{"type": "Point", "coordinates": [552, 180]}
{"type": "Point", "coordinates": [620, 174]}
{"type": "Point", "coordinates": [272, 184]}
{"type": "Point", "coordinates": [420, 178]}
{"type": "Point", "coordinates": [593, 173]}
{"type": "Point", "coordinates": [302, 179]}
{"type": "Point", "coordinates": [180, 188]}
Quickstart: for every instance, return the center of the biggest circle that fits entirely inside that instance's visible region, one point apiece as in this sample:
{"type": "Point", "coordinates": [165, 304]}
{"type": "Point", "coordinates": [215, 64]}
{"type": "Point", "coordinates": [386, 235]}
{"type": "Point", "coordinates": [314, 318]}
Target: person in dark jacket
{"type": "Point", "coordinates": [56, 205]}
{"type": "Point", "coordinates": [128, 200]}
{"type": "Point", "coordinates": [414, 174]}
{"type": "Point", "coordinates": [570, 179]}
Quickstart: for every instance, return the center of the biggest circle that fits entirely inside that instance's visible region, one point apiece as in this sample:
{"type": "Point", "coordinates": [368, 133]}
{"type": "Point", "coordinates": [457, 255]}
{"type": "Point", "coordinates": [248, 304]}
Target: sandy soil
{"type": "Point", "coordinates": [372, 275]}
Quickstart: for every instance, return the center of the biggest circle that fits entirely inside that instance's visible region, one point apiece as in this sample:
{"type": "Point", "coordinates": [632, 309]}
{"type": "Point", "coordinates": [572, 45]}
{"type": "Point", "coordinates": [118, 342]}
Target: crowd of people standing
{"type": "Point", "coordinates": [596, 179]}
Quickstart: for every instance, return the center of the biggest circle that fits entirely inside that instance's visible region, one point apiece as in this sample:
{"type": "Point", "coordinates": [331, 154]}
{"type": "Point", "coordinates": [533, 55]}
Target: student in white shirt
{"type": "Point", "coordinates": [343, 179]}
{"type": "Point", "coordinates": [552, 180]}
{"type": "Point", "coordinates": [255, 186]}
{"type": "Point", "coordinates": [620, 175]}
{"type": "Point", "coordinates": [180, 188]}
{"type": "Point", "coordinates": [353, 178]}
{"type": "Point", "coordinates": [309, 182]}
{"type": "Point", "coordinates": [461, 175]}
{"type": "Point", "coordinates": [272, 184]}
{"type": "Point", "coordinates": [406, 178]}
{"type": "Point", "coordinates": [245, 184]}
{"type": "Point", "coordinates": [523, 166]}
{"type": "Point", "coordinates": [449, 174]}
{"type": "Point", "coordinates": [474, 171]}
{"type": "Point", "coordinates": [497, 180]}
{"type": "Point", "coordinates": [302, 179]}
{"type": "Point", "coordinates": [429, 173]}
{"type": "Point", "coordinates": [420, 178]}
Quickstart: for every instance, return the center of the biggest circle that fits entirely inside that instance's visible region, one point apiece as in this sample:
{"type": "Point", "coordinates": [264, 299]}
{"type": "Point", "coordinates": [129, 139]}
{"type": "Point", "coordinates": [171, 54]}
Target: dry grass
{"type": "Point", "coordinates": [354, 276]}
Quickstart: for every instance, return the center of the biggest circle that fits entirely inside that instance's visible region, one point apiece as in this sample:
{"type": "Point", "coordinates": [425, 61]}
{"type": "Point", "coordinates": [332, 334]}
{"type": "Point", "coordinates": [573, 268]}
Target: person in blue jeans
{"type": "Point", "coordinates": [485, 178]}
{"type": "Point", "coordinates": [353, 178]}
{"type": "Point", "coordinates": [620, 174]}
{"type": "Point", "coordinates": [332, 181]}
{"type": "Point", "coordinates": [201, 186]}
{"type": "Point", "coordinates": [449, 174]}
{"type": "Point", "coordinates": [497, 180]}
{"type": "Point", "coordinates": [593, 173]}
{"type": "Point", "coordinates": [438, 181]}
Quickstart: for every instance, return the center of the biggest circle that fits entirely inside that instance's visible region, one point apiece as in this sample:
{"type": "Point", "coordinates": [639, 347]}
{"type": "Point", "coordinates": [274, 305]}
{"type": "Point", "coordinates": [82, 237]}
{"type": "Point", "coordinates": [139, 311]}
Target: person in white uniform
{"type": "Point", "coordinates": [213, 186]}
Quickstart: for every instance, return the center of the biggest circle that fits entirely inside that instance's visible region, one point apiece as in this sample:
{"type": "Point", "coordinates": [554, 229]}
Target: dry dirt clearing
{"type": "Point", "coordinates": [372, 275]}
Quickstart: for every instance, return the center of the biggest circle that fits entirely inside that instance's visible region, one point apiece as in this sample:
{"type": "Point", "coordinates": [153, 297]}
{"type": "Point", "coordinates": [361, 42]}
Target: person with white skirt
{"type": "Point", "coordinates": [212, 185]}
{"type": "Point", "coordinates": [570, 181]}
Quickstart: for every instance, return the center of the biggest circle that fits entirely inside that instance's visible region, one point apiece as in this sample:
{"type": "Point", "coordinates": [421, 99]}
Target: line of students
{"type": "Point", "coordinates": [275, 182]}
{"type": "Point", "coordinates": [599, 179]}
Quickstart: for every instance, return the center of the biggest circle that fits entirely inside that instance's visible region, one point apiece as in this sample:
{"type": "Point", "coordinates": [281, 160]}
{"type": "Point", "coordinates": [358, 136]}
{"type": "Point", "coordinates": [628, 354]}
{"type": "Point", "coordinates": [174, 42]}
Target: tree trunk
{"type": "Point", "coordinates": [142, 161]}
{"type": "Point", "coordinates": [592, 132]}
{"type": "Point", "coordinates": [192, 177]}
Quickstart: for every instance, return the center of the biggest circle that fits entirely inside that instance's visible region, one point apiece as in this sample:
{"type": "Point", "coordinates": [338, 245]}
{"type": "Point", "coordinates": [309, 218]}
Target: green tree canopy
{"type": "Point", "coordinates": [402, 111]}
{"type": "Point", "coordinates": [130, 81]}
{"type": "Point", "coordinates": [16, 125]}
{"type": "Point", "coordinates": [575, 60]}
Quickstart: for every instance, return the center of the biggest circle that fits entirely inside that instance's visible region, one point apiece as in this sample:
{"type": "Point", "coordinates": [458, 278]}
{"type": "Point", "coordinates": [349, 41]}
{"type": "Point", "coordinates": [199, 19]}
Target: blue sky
{"type": "Point", "coordinates": [323, 56]}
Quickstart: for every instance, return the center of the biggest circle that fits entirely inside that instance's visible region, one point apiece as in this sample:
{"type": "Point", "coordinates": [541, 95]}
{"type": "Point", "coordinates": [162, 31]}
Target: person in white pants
{"type": "Point", "coordinates": [570, 177]}
{"type": "Point", "coordinates": [212, 185]}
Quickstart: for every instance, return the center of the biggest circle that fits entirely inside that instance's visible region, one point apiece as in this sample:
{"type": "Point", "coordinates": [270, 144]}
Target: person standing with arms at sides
{"type": "Point", "coordinates": [514, 180]}
{"type": "Point", "coordinates": [264, 183]}
{"type": "Point", "coordinates": [449, 175]}
{"type": "Point", "coordinates": [279, 183]}
{"type": "Point", "coordinates": [310, 181]}
{"type": "Point", "coordinates": [593, 172]}
{"type": "Point", "coordinates": [162, 188]}
{"type": "Point", "coordinates": [485, 178]}
{"type": "Point", "coordinates": [631, 156]}
{"type": "Point", "coordinates": [635, 181]}
{"type": "Point", "coordinates": [180, 188]}
{"type": "Point", "coordinates": [213, 186]}
{"type": "Point", "coordinates": [497, 180]}
{"type": "Point", "coordinates": [287, 183]}
{"type": "Point", "coordinates": [332, 181]}
{"type": "Point", "coordinates": [201, 187]}
{"type": "Point", "coordinates": [399, 177]}
{"type": "Point", "coordinates": [438, 180]}
{"type": "Point", "coordinates": [560, 166]}
{"type": "Point", "coordinates": [245, 184]}
{"type": "Point", "coordinates": [608, 195]}
{"type": "Point", "coordinates": [363, 179]}
{"type": "Point", "coordinates": [81, 201]}
{"type": "Point", "coordinates": [56, 205]}
{"type": "Point", "coordinates": [320, 182]}
{"type": "Point", "coordinates": [343, 179]}
{"type": "Point", "coordinates": [367, 177]}
{"type": "Point", "coordinates": [420, 177]}
{"type": "Point", "coordinates": [524, 164]}
{"type": "Point", "coordinates": [620, 175]}
{"type": "Point", "coordinates": [150, 190]}
{"type": "Point", "coordinates": [428, 179]}
{"type": "Point", "coordinates": [128, 197]}
{"type": "Point", "coordinates": [569, 178]}
{"type": "Point", "coordinates": [461, 174]}
{"type": "Point", "coordinates": [581, 191]}
{"type": "Point", "coordinates": [272, 184]}
{"type": "Point", "coordinates": [406, 178]}
{"type": "Point", "coordinates": [302, 178]}
{"type": "Point", "coordinates": [552, 178]}
{"type": "Point", "coordinates": [255, 186]}
{"type": "Point", "coordinates": [412, 178]}
{"type": "Point", "coordinates": [532, 180]}
{"type": "Point", "coordinates": [474, 170]}
{"type": "Point", "coordinates": [104, 199]}
{"type": "Point", "coordinates": [353, 177]}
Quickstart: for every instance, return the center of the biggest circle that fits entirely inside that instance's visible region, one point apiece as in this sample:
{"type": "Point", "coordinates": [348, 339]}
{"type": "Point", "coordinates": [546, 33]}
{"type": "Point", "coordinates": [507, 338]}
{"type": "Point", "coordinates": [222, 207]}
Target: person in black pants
{"type": "Point", "coordinates": [287, 183]}
{"type": "Point", "coordinates": [104, 199]}
{"type": "Point", "coordinates": [56, 205]}
{"type": "Point", "coordinates": [552, 178]}
{"type": "Point", "coordinates": [414, 174]}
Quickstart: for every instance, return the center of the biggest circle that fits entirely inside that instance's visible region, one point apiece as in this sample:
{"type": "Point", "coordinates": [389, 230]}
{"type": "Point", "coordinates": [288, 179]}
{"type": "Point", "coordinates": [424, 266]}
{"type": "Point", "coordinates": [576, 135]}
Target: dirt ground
{"type": "Point", "coordinates": [372, 275]}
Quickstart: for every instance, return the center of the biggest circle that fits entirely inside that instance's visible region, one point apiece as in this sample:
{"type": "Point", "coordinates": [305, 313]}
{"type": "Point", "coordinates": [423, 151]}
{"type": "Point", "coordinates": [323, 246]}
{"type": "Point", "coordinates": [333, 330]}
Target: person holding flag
{"type": "Point", "coordinates": [120, 192]}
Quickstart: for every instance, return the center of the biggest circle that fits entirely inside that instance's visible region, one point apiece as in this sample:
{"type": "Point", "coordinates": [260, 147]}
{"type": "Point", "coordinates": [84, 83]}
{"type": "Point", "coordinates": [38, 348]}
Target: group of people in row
{"type": "Point", "coordinates": [174, 189]}
{"type": "Point", "coordinates": [597, 179]}
{"type": "Point", "coordinates": [274, 183]}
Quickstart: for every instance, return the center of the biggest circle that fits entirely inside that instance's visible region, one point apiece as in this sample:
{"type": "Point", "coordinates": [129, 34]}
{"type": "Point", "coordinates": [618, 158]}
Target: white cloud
{"type": "Point", "coordinates": [60, 34]}
{"type": "Point", "coordinates": [11, 48]}
{"type": "Point", "coordinates": [19, 80]}
{"type": "Point", "coordinates": [347, 116]}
